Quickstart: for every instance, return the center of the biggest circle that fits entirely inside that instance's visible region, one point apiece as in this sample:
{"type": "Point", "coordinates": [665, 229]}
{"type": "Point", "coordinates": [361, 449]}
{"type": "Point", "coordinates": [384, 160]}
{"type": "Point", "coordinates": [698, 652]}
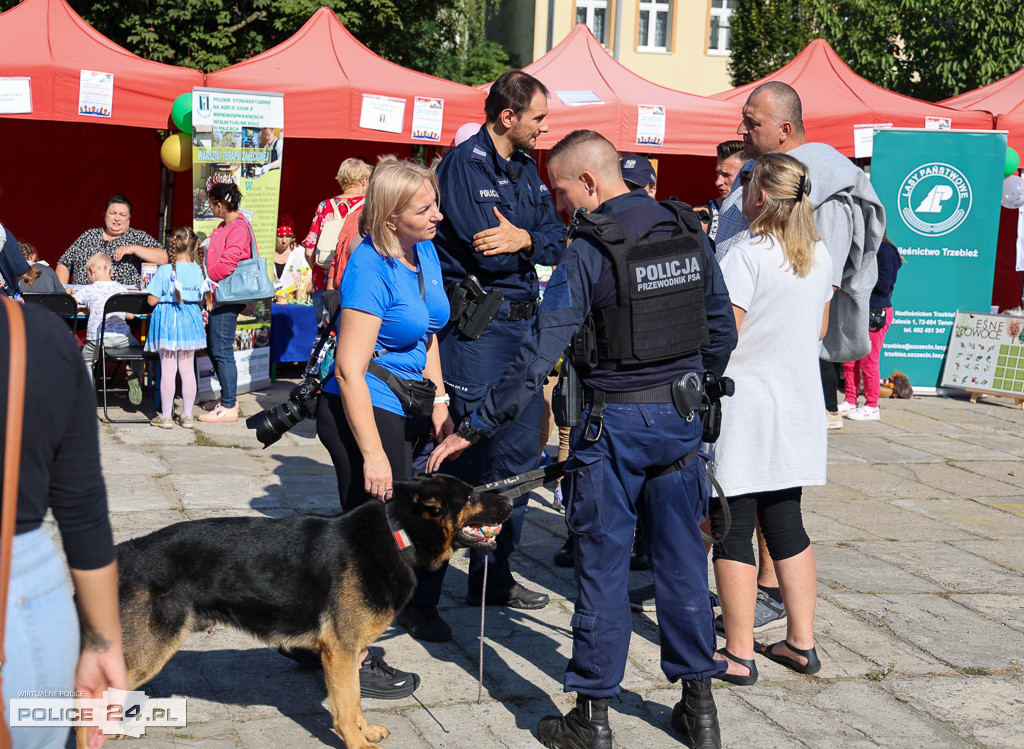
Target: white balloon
{"type": "Point", "coordinates": [1013, 192]}
{"type": "Point", "coordinates": [466, 132]}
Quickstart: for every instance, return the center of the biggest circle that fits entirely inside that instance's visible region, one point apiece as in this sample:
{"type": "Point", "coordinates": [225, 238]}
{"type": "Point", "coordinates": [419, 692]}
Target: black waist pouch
{"type": "Point", "coordinates": [416, 396]}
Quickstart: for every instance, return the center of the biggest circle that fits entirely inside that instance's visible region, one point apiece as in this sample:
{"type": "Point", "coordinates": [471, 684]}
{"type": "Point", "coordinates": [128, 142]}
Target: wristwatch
{"type": "Point", "coordinates": [467, 432]}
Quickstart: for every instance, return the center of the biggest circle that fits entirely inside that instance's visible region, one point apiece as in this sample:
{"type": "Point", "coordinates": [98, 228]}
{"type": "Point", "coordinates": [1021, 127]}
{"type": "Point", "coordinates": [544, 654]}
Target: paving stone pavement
{"type": "Point", "coordinates": [919, 540]}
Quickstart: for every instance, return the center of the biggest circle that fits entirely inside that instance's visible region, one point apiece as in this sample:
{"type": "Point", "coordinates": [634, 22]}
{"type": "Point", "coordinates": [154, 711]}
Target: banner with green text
{"type": "Point", "coordinates": [237, 136]}
{"type": "Point", "coordinates": [941, 192]}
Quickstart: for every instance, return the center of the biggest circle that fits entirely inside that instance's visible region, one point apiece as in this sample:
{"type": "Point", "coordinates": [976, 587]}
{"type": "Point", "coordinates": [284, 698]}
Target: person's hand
{"type": "Point", "coordinates": [442, 422]}
{"type": "Point", "coordinates": [377, 474]}
{"type": "Point", "coordinates": [120, 252]}
{"type": "Point", "coordinates": [99, 670]}
{"type": "Point", "coordinates": [452, 447]}
{"type": "Point", "coordinates": [502, 239]}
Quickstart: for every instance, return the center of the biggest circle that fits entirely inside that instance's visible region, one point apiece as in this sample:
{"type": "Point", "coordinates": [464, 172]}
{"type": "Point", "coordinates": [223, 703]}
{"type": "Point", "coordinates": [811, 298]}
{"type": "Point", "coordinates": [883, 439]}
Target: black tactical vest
{"type": "Point", "coordinates": [660, 312]}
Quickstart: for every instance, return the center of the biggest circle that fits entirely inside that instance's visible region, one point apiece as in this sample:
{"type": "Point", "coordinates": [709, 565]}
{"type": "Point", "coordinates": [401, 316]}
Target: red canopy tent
{"type": "Point", "coordinates": [323, 71]}
{"type": "Point", "coordinates": [59, 166]}
{"type": "Point", "coordinates": [580, 66]}
{"type": "Point", "coordinates": [1004, 100]}
{"type": "Point", "coordinates": [835, 99]}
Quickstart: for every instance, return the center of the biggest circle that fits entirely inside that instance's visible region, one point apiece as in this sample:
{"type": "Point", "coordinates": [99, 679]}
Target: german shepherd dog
{"type": "Point", "coordinates": [331, 584]}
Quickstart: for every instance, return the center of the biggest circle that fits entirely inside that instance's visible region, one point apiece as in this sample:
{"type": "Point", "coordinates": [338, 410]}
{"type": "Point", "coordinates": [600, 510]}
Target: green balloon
{"type": "Point", "coordinates": [1012, 162]}
{"type": "Point", "coordinates": [181, 113]}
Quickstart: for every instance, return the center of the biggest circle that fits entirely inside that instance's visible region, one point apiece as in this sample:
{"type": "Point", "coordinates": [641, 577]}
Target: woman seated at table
{"type": "Point", "coordinates": [127, 248]}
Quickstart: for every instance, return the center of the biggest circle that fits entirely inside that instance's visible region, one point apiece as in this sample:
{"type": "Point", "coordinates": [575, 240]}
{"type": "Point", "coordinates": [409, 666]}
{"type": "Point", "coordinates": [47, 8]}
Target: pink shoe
{"type": "Point", "coordinates": [219, 414]}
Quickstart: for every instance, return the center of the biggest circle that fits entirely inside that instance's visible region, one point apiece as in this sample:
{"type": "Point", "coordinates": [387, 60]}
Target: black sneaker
{"type": "Point", "coordinates": [696, 716]}
{"type": "Point", "coordinates": [583, 727]}
{"type": "Point", "coordinates": [378, 679]}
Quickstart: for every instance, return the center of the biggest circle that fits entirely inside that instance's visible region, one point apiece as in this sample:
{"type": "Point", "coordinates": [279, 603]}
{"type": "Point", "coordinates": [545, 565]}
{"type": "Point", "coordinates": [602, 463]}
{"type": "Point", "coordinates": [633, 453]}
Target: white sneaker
{"type": "Point", "coordinates": [845, 407]}
{"type": "Point", "coordinates": [865, 413]}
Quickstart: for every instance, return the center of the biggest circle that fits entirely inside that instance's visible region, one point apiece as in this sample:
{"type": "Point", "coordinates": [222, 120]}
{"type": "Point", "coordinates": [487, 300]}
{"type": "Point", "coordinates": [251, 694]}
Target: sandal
{"type": "Point", "coordinates": [812, 666]}
{"type": "Point", "coordinates": [185, 422]}
{"type": "Point", "coordinates": [738, 679]}
{"type": "Point", "coordinates": [220, 414]}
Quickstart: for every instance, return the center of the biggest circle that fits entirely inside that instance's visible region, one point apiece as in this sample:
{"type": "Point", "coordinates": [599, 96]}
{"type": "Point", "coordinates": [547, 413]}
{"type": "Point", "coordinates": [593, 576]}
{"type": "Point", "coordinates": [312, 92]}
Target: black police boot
{"type": "Point", "coordinates": [583, 727]}
{"type": "Point", "coordinates": [696, 716]}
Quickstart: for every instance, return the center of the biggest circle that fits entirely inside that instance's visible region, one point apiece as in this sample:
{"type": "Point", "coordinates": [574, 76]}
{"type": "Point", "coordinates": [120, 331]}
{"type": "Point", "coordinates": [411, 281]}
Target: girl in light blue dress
{"type": "Point", "coordinates": [177, 291]}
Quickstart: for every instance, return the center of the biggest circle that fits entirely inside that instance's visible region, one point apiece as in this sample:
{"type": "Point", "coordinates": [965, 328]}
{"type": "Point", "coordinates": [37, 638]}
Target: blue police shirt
{"type": "Point", "coordinates": [585, 280]}
{"type": "Point", "coordinates": [474, 181]}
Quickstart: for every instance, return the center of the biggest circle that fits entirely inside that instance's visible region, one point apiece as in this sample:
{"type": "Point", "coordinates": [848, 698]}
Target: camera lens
{"type": "Point", "coordinates": [271, 424]}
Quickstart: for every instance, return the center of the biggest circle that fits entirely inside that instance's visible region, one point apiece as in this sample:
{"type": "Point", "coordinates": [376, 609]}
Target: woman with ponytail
{"type": "Point", "coordinates": [773, 439]}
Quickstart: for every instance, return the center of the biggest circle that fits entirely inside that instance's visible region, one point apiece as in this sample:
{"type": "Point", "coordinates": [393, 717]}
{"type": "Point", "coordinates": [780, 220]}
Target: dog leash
{"type": "Point", "coordinates": [512, 487]}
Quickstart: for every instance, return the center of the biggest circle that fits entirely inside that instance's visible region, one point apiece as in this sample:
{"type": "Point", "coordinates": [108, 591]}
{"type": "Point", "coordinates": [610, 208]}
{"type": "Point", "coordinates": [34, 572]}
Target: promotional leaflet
{"type": "Point", "coordinates": [238, 136]}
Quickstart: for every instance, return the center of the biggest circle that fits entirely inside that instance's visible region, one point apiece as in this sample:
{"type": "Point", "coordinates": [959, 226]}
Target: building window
{"type": "Point", "coordinates": [652, 29]}
{"type": "Point", "coordinates": [594, 13]}
{"type": "Point", "coordinates": [719, 35]}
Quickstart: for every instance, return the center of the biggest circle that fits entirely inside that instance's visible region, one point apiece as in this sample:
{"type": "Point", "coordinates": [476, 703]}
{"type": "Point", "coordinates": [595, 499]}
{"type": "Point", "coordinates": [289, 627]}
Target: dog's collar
{"type": "Point", "coordinates": [401, 538]}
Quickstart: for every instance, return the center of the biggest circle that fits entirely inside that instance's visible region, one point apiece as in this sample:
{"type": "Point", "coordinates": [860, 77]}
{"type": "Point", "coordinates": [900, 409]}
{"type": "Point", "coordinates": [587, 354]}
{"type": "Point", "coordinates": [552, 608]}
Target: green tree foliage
{"type": "Point", "coordinates": [929, 49]}
{"type": "Point", "coordinates": [440, 37]}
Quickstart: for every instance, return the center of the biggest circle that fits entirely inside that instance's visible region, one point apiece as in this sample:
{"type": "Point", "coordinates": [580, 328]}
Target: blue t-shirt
{"type": "Point", "coordinates": [385, 288]}
{"type": "Point", "coordinates": [189, 275]}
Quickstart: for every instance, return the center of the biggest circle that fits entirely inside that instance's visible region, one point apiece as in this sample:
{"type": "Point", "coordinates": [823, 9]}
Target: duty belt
{"type": "Point", "coordinates": [598, 399]}
{"type": "Point", "coordinates": [521, 310]}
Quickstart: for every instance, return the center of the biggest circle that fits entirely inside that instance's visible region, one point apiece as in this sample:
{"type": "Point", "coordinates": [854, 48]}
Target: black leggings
{"type": "Point", "coordinates": [829, 384]}
{"type": "Point", "coordinates": [333, 430]}
{"type": "Point", "coordinates": [781, 524]}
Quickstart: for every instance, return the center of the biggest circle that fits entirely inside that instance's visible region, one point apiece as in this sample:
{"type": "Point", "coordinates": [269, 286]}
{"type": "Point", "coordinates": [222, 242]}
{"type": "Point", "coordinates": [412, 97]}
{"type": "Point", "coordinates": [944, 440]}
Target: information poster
{"type": "Point", "coordinates": [986, 352]}
{"type": "Point", "coordinates": [238, 137]}
{"type": "Point", "coordinates": [427, 118]}
{"type": "Point", "coordinates": [650, 125]}
{"type": "Point", "coordinates": [95, 94]}
{"type": "Point", "coordinates": [941, 192]}
{"type": "Point", "coordinates": [384, 113]}
{"type": "Point", "coordinates": [16, 95]}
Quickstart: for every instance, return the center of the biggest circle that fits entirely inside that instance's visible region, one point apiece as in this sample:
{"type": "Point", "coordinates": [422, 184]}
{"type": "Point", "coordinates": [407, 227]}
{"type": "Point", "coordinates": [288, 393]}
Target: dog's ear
{"type": "Point", "coordinates": [430, 504]}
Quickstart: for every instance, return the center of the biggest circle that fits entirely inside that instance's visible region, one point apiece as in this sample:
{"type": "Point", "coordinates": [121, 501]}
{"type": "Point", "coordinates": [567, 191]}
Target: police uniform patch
{"type": "Point", "coordinates": [655, 275]}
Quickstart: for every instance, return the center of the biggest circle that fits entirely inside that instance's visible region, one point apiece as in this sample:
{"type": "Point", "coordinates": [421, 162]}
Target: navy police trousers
{"type": "Point", "coordinates": [605, 478]}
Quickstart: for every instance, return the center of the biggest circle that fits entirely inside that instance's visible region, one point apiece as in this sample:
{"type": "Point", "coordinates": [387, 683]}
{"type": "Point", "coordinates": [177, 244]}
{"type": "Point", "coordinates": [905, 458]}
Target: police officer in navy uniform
{"type": "Point", "coordinates": [499, 219]}
{"type": "Point", "coordinates": [660, 320]}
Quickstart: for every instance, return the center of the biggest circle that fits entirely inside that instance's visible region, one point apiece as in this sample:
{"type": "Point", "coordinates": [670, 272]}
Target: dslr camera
{"type": "Point", "coordinates": [301, 405]}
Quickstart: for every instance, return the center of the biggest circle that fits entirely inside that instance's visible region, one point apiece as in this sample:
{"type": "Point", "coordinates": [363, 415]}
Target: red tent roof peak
{"type": "Point", "coordinates": [48, 42]}
{"type": "Point", "coordinates": [835, 98]}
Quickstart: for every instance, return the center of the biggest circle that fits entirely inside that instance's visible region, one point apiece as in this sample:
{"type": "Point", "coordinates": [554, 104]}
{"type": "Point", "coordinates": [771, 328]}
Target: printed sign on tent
{"type": "Point", "coordinates": [864, 138]}
{"type": "Point", "coordinates": [650, 125]}
{"type": "Point", "coordinates": [15, 95]}
{"type": "Point", "coordinates": [940, 190]}
{"type": "Point", "coordinates": [383, 113]}
{"type": "Point", "coordinates": [95, 94]}
{"type": "Point", "coordinates": [427, 118]}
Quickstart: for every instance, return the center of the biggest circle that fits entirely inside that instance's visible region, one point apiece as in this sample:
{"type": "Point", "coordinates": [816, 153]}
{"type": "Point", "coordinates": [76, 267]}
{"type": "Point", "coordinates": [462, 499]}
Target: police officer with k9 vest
{"type": "Point", "coordinates": [641, 299]}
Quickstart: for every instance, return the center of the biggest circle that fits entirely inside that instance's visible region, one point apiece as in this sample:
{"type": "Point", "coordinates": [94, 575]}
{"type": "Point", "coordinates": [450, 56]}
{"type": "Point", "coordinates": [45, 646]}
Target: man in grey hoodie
{"type": "Point", "coordinates": [847, 213]}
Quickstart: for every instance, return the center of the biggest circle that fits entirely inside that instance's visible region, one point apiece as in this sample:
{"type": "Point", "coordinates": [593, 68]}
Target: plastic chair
{"type": "Point", "coordinates": [134, 303]}
{"type": "Point", "coordinates": [63, 304]}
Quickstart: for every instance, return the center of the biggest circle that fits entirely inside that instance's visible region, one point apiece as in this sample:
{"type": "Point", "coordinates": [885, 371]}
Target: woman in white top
{"type": "Point", "coordinates": [773, 439]}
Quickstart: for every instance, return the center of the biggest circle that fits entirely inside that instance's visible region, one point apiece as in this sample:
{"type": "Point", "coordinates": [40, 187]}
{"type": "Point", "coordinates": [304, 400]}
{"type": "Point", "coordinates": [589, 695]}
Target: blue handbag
{"type": "Point", "coordinates": [249, 281]}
